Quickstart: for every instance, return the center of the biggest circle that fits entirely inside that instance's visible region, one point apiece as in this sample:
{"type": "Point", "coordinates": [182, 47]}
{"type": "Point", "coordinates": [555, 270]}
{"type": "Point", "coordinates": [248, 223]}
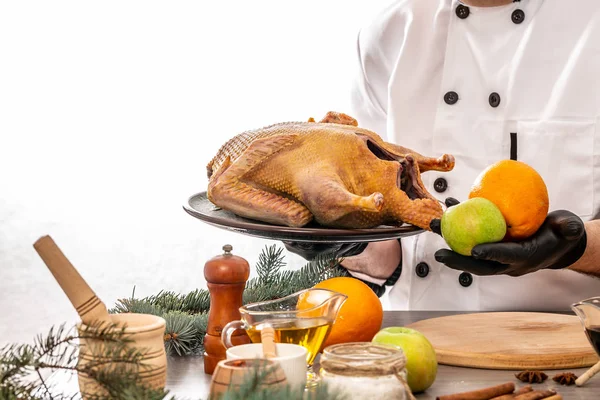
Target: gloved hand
{"type": "Point", "coordinates": [558, 243]}
{"type": "Point", "coordinates": [309, 251]}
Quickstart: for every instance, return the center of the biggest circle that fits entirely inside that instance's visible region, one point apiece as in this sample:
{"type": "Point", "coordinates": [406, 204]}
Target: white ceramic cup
{"type": "Point", "coordinates": [291, 357]}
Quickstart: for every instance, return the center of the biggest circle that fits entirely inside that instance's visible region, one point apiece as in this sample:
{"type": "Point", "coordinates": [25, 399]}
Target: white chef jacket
{"type": "Point", "coordinates": [479, 83]}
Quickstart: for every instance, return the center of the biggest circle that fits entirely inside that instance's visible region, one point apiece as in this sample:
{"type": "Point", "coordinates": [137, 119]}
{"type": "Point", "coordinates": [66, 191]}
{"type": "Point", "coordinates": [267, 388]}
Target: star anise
{"type": "Point", "coordinates": [531, 376]}
{"type": "Point", "coordinates": [566, 378]}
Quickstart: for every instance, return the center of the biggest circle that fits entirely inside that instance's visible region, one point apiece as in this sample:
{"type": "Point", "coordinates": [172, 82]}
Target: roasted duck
{"type": "Point", "coordinates": [331, 171]}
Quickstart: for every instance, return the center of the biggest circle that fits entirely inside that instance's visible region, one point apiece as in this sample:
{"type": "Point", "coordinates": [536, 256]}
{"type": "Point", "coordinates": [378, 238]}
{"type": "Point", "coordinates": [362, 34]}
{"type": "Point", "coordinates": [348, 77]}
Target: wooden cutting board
{"type": "Point", "coordinates": [509, 340]}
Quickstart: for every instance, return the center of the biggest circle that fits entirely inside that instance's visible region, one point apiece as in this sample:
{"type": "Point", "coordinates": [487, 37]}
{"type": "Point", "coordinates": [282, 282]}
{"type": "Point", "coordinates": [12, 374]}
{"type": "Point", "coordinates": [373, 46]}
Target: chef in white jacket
{"type": "Point", "coordinates": [486, 80]}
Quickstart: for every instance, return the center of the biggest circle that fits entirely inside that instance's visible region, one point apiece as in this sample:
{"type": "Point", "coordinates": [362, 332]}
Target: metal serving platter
{"type": "Point", "coordinates": [201, 207]}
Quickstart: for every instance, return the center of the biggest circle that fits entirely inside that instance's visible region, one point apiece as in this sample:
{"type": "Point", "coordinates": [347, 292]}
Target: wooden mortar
{"type": "Point", "coordinates": [144, 331]}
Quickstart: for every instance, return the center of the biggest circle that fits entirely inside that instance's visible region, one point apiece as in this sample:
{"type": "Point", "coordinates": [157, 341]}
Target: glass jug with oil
{"type": "Point", "coordinates": [304, 318]}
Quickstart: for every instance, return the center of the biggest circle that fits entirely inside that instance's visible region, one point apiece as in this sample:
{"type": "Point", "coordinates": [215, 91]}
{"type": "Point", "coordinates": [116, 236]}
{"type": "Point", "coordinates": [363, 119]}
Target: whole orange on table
{"type": "Point", "coordinates": [519, 192]}
{"type": "Point", "coordinates": [361, 315]}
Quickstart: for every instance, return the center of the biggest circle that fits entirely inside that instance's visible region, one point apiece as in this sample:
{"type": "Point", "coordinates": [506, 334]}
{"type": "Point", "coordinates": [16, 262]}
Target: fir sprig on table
{"type": "Point", "coordinates": [250, 389]}
{"type": "Point", "coordinates": [23, 366]}
{"type": "Point", "coordinates": [187, 314]}
{"type": "Point", "coordinates": [59, 350]}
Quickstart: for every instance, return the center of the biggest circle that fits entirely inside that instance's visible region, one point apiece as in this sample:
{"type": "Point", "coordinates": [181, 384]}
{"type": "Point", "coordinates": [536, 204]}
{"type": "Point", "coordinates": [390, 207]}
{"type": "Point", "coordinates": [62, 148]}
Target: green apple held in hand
{"type": "Point", "coordinates": [475, 221]}
{"type": "Point", "coordinates": [421, 361]}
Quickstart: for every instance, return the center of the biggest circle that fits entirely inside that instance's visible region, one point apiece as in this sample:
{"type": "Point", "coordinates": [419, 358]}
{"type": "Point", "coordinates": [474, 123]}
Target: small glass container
{"type": "Point", "coordinates": [365, 370]}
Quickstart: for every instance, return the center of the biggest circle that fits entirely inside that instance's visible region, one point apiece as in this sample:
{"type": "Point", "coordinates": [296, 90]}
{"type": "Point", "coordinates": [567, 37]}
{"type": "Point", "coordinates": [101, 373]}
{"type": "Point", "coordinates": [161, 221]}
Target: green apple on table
{"type": "Point", "coordinates": [472, 222]}
{"type": "Point", "coordinates": [421, 361]}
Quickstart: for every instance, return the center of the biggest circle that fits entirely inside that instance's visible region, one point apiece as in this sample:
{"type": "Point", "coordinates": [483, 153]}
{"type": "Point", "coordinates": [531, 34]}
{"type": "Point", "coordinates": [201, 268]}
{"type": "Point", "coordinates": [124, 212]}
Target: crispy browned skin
{"type": "Point", "coordinates": [331, 171]}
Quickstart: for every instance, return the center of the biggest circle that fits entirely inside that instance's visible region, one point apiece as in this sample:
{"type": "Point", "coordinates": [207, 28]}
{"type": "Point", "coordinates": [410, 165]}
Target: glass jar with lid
{"type": "Point", "coordinates": [365, 370]}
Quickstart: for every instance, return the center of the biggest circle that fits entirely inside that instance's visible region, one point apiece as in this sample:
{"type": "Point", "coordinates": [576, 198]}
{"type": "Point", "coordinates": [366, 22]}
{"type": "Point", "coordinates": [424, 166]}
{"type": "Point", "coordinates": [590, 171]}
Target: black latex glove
{"type": "Point", "coordinates": [558, 243]}
{"type": "Point", "coordinates": [310, 251]}
{"type": "Point", "coordinates": [435, 223]}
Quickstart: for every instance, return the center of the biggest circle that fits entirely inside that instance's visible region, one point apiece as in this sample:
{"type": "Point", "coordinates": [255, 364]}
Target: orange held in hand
{"type": "Point", "coordinates": [519, 192]}
{"type": "Point", "coordinates": [360, 317]}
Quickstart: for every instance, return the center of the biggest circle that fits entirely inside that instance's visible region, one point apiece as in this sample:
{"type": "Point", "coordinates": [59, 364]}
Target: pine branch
{"type": "Point", "coordinates": [251, 389]}
{"type": "Point", "coordinates": [270, 262]}
{"type": "Point", "coordinates": [185, 336]}
{"type": "Point", "coordinates": [200, 325]}
{"type": "Point", "coordinates": [59, 350]}
{"type": "Point", "coordinates": [120, 381]}
{"type": "Point", "coordinates": [321, 268]}
{"type": "Point", "coordinates": [192, 303]}
{"type": "Point", "coordinates": [140, 306]}
{"type": "Point", "coordinates": [181, 336]}
{"type": "Point", "coordinates": [284, 283]}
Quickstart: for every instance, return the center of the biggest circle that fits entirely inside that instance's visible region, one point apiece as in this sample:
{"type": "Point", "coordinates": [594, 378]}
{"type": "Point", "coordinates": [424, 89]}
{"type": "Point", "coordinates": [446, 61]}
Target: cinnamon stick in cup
{"type": "Point", "coordinates": [481, 394]}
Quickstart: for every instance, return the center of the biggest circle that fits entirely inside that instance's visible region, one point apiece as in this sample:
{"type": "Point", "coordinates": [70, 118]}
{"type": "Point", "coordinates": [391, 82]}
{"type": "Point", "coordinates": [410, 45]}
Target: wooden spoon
{"type": "Point", "coordinates": [89, 307]}
{"type": "Point", "coordinates": [267, 338]}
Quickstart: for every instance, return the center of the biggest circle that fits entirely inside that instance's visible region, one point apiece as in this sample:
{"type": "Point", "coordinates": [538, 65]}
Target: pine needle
{"type": "Point", "coordinates": [136, 306]}
{"type": "Point", "coordinates": [270, 262]}
{"type": "Point", "coordinates": [180, 334]}
{"type": "Point", "coordinates": [200, 325]}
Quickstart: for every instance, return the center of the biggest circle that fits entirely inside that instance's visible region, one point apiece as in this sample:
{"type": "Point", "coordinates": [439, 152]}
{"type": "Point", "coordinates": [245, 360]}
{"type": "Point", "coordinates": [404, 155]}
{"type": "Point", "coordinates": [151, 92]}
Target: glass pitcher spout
{"type": "Point", "coordinates": [323, 302]}
{"type": "Point", "coordinates": [588, 311]}
{"type": "Point", "coordinates": [314, 302]}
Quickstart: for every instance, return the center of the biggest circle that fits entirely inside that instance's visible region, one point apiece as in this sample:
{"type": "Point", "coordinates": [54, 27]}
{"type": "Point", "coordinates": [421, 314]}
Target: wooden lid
{"type": "Point", "coordinates": [226, 268]}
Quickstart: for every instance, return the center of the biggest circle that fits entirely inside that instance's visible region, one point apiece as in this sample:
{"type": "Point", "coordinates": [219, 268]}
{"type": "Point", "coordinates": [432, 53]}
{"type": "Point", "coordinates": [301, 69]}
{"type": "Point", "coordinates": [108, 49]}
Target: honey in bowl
{"type": "Point", "coordinates": [306, 332]}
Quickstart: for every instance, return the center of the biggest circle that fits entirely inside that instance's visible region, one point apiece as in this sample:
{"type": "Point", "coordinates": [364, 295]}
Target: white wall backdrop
{"type": "Point", "coordinates": [109, 113]}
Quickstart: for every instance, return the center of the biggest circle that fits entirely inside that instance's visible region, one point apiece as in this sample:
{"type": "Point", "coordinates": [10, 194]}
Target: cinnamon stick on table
{"type": "Point", "coordinates": [536, 395]}
{"type": "Point", "coordinates": [481, 394]}
{"type": "Point", "coordinates": [511, 396]}
{"type": "Point", "coordinates": [524, 389]}
{"type": "Point", "coordinates": [555, 397]}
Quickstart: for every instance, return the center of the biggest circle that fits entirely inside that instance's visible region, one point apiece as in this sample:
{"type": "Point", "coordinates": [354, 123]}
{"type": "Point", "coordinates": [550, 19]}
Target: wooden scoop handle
{"type": "Point", "coordinates": [588, 374]}
{"type": "Point", "coordinates": [267, 337]}
{"type": "Point", "coordinates": [89, 307]}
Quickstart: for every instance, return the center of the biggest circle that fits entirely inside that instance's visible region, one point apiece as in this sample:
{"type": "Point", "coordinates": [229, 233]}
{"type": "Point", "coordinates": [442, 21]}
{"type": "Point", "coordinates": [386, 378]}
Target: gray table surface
{"type": "Point", "coordinates": [186, 378]}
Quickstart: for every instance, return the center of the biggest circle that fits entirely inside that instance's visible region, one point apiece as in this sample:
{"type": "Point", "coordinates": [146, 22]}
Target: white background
{"type": "Point", "coordinates": [109, 113]}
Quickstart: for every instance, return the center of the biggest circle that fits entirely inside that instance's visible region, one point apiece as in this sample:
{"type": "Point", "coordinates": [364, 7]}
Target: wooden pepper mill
{"type": "Point", "coordinates": [226, 277]}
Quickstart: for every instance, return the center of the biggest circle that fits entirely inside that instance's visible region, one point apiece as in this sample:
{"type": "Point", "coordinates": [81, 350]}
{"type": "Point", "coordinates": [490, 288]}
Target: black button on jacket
{"type": "Point", "coordinates": [440, 185]}
{"type": "Point", "coordinates": [465, 279]}
{"type": "Point", "coordinates": [462, 12]}
{"type": "Point", "coordinates": [451, 98]}
{"type": "Point", "coordinates": [422, 270]}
